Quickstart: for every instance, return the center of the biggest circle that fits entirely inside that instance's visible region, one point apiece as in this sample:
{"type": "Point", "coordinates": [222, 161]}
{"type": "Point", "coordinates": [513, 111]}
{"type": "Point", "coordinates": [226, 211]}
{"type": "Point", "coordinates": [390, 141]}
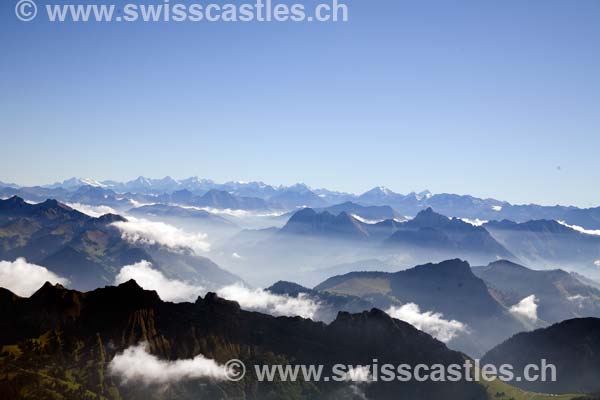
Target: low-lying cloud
{"type": "Point", "coordinates": [24, 279]}
{"type": "Point", "coordinates": [152, 279]}
{"type": "Point", "coordinates": [136, 364]}
{"type": "Point", "coordinates": [92, 211]}
{"type": "Point", "coordinates": [526, 308]}
{"type": "Point", "coordinates": [581, 229]}
{"type": "Point", "coordinates": [579, 300]}
{"type": "Point", "coordinates": [143, 231]}
{"type": "Point", "coordinates": [269, 303]}
{"type": "Point", "coordinates": [365, 220]}
{"type": "Point", "coordinates": [250, 299]}
{"type": "Point", "coordinates": [432, 323]}
{"type": "Point", "coordinates": [474, 222]}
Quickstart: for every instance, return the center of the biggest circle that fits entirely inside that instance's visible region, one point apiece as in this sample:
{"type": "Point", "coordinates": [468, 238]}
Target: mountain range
{"type": "Point", "coordinates": [61, 343]}
{"type": "Point", "coordinates": [90, 251]}
{"type": "Point", "coordinates": [559, 294]}
{"type": "Point", "coordinates": [291, 197]}
{"type": "Point", "coordinates": [449, 288]}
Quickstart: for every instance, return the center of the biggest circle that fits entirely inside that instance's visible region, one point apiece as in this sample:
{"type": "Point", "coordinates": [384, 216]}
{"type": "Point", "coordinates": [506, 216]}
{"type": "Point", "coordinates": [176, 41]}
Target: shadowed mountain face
{"type": "Point", "coordinates": [90, 251]}
{"type": "Point", "coordinates": [225, 200]}
{"type": "Point", "coordinates": [573, 346]}
{"type": "Point", "coordinates": [59, 344]}
{"type": "Point", "coordinates": [431, 230]}
{"type": "Point", "coordinates": [449, 288]}
{"type": "Point", "coordinates": [310, 223]}
{"type": "Point", "coordinates": [547, 243]}
{"type": "Point", "coordinates": [559, 294]}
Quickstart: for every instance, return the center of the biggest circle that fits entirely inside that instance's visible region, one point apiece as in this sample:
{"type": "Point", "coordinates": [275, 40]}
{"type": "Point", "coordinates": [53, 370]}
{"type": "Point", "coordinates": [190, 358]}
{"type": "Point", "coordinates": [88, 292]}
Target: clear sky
{"type": "Point", "coordinates": [492, 98]}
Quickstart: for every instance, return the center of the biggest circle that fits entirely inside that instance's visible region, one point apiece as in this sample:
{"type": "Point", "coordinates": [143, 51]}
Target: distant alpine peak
{"type": "Point", "coordinates": [76, 182]}
{"type": "Point", "coordinates": [92, 182]}
{"type": "Point", "coordinates": [382, 189]}
{"type": "Point", "coordinates": [140, 180]}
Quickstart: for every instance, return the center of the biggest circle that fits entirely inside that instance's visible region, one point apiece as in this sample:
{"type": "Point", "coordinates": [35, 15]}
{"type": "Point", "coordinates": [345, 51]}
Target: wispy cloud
{"type": "Point", "coordinates": [149, 232]}
{"type": "Point", "coordinates": [24, 279]}
{"type": "Point", "coordinates": [580, 229]}
{"type": "Point", "coordinates": [136, 364]}
{"type": "Point", "coordinates": [274, 304]}
{"type": "Point", "coordinates": [250, 299]}
{"type": "Point", "coordinates": [578, 299]}
{"type": "Point", "coordinates": [430, 322]}
{"type": "Point", "coordinates": [365, 220]}
{"type": "Point", "coordinates": [526, 308]}
{"type": "Point", "coordinates": [597, 263]}
{"type": "Point", "coordinates": [152, 279]}
{"type": "Point", "coordinates": [92, 211]}
{"type": "Point", "coordinates": [474, 222]}
{"type": "Point", "coordinates": [233, 213]}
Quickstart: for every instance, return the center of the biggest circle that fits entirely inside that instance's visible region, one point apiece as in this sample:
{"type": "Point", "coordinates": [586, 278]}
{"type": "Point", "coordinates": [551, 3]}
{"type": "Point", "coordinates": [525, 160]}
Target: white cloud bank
{"type": "Point", "coordinates": [274, 304]}
{"type": "Point", "coordinates": [580, 229]}
{"type": "Point", "coordinates": [474, 222]}
{"type": "Point", "coordinates": [92, 211]}
{"type": "Point", "coordinates": [152, 279]}
{"type": "Point", "coordinates": [526, 308]}
{"type": "Point", "coordinates": [250, 299]}
{"type": "Point", "coordinates": [135, 364]}
{"type": "Point", "coordinates": [432, 323]}
{"type": "Point", "coordinates": [366, 221]}
{"type": "Point", "coordinates": [597, 263]}
{"type": "Point", "coordinates": [143, 231]}
{"type": "Point", "coordinates": [24, 279]}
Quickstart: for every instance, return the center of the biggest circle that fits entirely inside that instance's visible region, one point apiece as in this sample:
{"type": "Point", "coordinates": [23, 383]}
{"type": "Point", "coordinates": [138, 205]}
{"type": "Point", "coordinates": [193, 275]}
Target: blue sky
{"type": "Point", "coordinates": [493, 98]}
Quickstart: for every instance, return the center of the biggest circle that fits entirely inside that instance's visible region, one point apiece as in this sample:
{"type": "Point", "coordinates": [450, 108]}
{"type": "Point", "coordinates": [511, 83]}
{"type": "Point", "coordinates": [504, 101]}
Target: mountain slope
{"type": "Point", "coordinates": [90, 251]}
{"type": "Point", "coordinates": [547, 243]}
{"type": "Point", "coordinates": [573, 346]}
{"type": "Point", "coordinates": [308, 222]}
{"type": "Point", "coordinates": [560, 296]}
{"type": "Point", "coordinates": [60, 342]}
{"type": "Point", "coordinates": [449, 288]}
{"type": "Point", "coordinates": [442, 235]}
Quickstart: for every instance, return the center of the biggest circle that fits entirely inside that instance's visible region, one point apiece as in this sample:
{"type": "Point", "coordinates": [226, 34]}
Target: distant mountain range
{"type": "Point", "coordinates": [547, 243]}
{"type": "Point", "coordinates": [437, 235]}
{"type": "Point", "coordinates": [258, 195]}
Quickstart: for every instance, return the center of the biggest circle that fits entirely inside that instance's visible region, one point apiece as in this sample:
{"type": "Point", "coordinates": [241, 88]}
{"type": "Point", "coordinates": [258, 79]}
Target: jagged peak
{"type": "Point", "coordinates": [47, 289]}
{"type": "Point", "coordinates": [131, 285]}
{"type": "Point", "coordinates": [110, 218]}
{"type": "Point", "coordinates": [212, 298]}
